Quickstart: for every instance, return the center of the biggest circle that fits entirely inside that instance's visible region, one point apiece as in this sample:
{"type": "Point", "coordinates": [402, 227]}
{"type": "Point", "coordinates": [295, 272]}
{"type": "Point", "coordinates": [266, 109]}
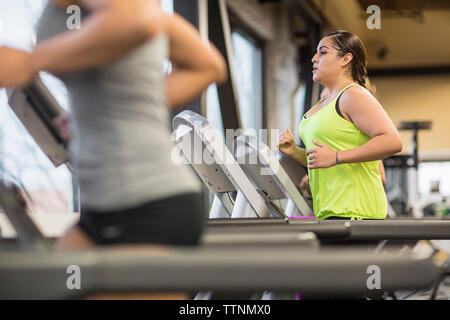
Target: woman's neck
{"type": "Point", "coordinates": [335, 87]}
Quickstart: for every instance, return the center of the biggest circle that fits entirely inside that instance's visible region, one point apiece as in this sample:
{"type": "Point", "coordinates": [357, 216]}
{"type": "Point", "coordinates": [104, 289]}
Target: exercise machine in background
{"type": "Point", "coordinates": [402, 171]}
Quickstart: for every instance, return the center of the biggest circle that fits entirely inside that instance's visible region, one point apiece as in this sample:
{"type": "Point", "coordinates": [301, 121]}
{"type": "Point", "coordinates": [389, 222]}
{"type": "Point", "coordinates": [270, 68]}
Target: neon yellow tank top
{"type": "Point", "coordinates": [349, 190]}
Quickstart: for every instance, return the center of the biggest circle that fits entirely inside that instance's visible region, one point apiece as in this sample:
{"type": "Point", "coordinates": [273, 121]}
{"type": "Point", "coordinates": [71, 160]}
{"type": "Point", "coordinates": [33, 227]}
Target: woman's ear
{"type": "Point", "coordinates": [348, 57]}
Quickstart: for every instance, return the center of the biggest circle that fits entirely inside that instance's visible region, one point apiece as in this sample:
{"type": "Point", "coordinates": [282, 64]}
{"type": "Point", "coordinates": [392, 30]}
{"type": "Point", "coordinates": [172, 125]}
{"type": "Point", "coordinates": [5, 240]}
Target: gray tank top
{"type": "Point", "coordinates": [121, 141]}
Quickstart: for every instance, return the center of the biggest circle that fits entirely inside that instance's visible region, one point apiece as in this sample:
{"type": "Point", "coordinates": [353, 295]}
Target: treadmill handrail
{"type": "Point", "coordinates": [36, 108]}
{"type": "Point", "coordinates": [223, 158]}
{"type": "Point", "coordinates": [282, 180]}
{"type": "Point", "coordinates": [44, 275]}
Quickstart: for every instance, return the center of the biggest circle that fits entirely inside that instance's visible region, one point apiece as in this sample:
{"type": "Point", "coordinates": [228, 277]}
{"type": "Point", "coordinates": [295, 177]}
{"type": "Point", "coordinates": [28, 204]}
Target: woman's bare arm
{"type": "Point", "coordinates": [369, 116]}
{"type": "Point", "coordinates": [196, 65]}
{"type": "Point", "coordinates": [299, 155]}
{"type": "Point", "coordinates": [114, 28]}
{"type": "Point", "coordinates": [286, 144]}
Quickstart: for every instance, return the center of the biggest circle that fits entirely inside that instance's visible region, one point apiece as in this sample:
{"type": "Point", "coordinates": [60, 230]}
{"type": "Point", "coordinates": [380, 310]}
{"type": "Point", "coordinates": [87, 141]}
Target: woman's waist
{"type": "Point", "coordinates": [363, 203]}
{"type": "Point", "coordinates": [358, 171]}
{"type": "Point", "coordinates": [350, 179]}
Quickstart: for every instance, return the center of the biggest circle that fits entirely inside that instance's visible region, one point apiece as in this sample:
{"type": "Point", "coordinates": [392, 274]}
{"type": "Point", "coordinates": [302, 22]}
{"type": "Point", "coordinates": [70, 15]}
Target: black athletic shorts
{"type": "Point", "coordinates": [176, 220]}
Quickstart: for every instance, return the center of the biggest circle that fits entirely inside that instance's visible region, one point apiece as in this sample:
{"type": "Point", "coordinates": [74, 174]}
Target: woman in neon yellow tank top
{"type": "Point", "coordinates": [344, 143]}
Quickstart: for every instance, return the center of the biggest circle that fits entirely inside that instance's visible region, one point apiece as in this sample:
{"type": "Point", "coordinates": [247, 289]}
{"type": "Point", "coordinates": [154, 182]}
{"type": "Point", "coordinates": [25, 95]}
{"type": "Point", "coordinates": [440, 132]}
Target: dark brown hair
{"type": "Point", "coordinates": [346, 42]}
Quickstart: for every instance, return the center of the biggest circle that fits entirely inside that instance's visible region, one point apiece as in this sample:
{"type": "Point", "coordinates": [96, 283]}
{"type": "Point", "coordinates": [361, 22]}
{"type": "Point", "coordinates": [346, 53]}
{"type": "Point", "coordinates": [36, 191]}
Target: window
{"type": "Point", "coordinates": [213, 113]}
{"type": "Point", "coordinates": [299, 102]}
{"type": "Point", "coordinates": [167, 5]}
{"type": "Point", "coordinates": [247, 62]}
{"type": "Point", "coordinates": [431, 172]}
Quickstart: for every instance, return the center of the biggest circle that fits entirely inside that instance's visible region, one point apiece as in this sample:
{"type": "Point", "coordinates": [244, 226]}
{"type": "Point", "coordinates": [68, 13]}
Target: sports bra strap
{"type": "Point", "coordinates": [338, 110]}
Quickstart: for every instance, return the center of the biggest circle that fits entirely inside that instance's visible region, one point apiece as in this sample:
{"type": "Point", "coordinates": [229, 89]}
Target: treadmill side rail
{"type": "Point", "coordinates": [313, 273]}
{"type": "Point", "coordinates": [35, 107]}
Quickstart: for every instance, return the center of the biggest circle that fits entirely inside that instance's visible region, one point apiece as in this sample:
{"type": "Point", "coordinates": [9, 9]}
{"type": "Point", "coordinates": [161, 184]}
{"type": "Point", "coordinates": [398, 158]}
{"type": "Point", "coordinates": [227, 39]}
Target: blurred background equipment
{"type": "Point", "coordinates": [401, 172]}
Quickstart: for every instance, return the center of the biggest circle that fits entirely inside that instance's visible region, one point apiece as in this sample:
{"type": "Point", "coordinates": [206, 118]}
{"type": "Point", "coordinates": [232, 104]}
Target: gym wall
{"type": "Point", "coordinates": [421, 97]}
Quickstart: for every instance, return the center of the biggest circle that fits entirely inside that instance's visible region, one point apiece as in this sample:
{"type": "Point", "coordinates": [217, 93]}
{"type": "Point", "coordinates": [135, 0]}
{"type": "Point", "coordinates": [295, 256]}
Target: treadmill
{"type": "Point", "coordinates": [273, 181]}
{"type": "Point", "coordinates": [268, 175]}
{"type": "Point", "coordinates": [40, 272]}
{"type": "Point", "coordinates": [314, 274]}
{"type": "Point", "coordinates": [36, 108]}
{"type": "Point", "coordinates": [202, 147]}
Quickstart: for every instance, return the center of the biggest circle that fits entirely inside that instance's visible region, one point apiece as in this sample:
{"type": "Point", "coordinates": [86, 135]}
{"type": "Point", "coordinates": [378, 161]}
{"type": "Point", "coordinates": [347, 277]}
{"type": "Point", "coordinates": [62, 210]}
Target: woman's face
{"type": "Point", "coordinates": [326, 62]}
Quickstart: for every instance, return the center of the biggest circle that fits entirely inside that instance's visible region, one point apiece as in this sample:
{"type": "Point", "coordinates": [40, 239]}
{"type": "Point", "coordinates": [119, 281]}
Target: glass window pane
{"type": "Point", "coordinates": [213, 113]}
{"type": "Point", "coordinates": [167, 5]}
{"type": "Point", "coordinates": [430, 172]}
{"type": "Point", "coordinates": [299, 100]}
{"type": "Point", "coordinates": [247, 62]}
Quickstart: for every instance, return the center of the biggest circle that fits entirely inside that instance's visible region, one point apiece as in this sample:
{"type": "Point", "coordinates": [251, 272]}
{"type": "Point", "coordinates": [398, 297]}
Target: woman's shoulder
{"type": "Point", "coordinates": [357, 97]}
{"type": "Point", "coordinates": [357, 92]}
